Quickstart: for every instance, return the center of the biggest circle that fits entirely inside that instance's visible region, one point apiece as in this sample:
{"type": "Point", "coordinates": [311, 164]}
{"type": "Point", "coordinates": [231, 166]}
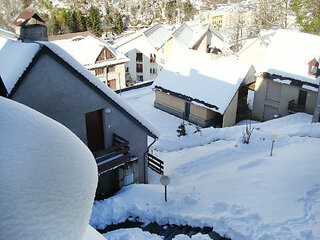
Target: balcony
{"type": "Point", "coordinates": [116, 155]}
{"type": "Point", "coordinates": [294, 108]}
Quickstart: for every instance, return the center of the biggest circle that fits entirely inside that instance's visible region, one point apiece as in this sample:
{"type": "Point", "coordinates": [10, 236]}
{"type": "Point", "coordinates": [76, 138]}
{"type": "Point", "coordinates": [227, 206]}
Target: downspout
{"type": "Point", "coordinates": [146, 161]}
{"type": "Point", "coordinates": [316, 114]}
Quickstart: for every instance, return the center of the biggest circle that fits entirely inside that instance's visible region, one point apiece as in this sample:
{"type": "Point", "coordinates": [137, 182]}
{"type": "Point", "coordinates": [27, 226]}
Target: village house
{"type": "Point", "coordinates": [253, 49]}
{"type": "Point", "coordinates": [43, 76]}
{"type": "Point", "coordinates": [205, 92]}
{"type": "Point", "coordinates": [289, 76]}
{"type": "Point", "coordinates": [98, 56]}
{"type": "Point", "coordinates": [149, 49]}
{"type": "Point", "coordinates": [144, 49]}
{"type": "Point", "coordinates": [196, 36]}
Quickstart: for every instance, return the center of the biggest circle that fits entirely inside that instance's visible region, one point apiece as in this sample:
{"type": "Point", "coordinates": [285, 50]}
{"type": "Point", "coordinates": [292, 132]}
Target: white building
{"type": "Point", "coordinates": [96, 55]}
{"type": "Point", "coordinates": [144, 49]}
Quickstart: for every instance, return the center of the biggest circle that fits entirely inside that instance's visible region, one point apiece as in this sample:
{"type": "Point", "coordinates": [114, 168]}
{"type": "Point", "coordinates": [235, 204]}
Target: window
{"type": "Point", "coordinates": [139, 68]}
{"type": "Point", "coordinates": [152, 58]}
{"type": "Point", "coordinates": [140, 78]}
{"type": "Point", "coordinates": [139, 57]}
{"type": "Point", "coordinates": [99, 71]}
{"type": "Point", "coordinates": [127, 69]}
{"type": "Point", "coordinates": [111, 69]}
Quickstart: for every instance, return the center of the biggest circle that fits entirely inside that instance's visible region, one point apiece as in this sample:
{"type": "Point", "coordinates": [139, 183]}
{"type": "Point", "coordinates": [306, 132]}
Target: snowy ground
{"type": "Point", "coordinates": [218, 181]}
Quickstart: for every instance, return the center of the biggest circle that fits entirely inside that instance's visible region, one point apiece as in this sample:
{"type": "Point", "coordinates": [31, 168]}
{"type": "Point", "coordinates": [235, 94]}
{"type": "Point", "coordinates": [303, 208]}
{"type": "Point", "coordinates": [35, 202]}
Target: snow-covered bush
{"type": "Point", "coordinates": [247, 133]}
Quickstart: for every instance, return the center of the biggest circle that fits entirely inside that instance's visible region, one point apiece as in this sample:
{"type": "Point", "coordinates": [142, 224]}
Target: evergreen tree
{"type": "Point", "coordinates": [308, 14]}
{"type": "Point", "coordinates": [94, 21]}
{"type": "Point", "coordinates": [170, 11]}
{"type": "Point", "coordinates": [188, 10]}
{"type": "Point", "coordinates": [80, 21]}
{"type": "Point", "coordinates": [118, 24]}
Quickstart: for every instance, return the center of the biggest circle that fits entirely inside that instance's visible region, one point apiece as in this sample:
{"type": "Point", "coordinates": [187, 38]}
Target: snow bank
{"type": "Point", "coordinates": [218, 181]}
{"type": "Point", "coordinates": [48, 177]}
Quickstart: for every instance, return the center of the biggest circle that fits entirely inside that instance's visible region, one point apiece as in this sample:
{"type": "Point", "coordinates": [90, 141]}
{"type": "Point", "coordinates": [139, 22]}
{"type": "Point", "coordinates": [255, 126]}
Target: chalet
{"type": "Point", "coordinates": [144, 49]}
{"type": "Point", "coordinates": [98, 56]}
{"type": "Point", "coordinates": [288, 76]}
{"type": "Point", "coordinates": [254, 48]}
{"type": "Point", "coordinates": [205, 92]}
{"type": "Point", "coordinates": [193, 35]}
{"type": "Point", "coordinates": [43, 76]}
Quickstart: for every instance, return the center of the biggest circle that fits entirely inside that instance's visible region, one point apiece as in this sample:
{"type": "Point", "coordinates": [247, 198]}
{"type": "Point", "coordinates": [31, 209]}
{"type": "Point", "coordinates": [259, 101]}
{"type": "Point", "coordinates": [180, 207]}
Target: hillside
{"type": "Point", "coordinates": [134, 12]}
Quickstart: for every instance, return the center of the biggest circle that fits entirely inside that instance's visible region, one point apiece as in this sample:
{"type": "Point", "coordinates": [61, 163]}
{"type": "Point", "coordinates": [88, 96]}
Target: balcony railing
{"type": "Point", "coordinates": [294, 108]}
{"type": "Point", "coordinates": [114, 156]}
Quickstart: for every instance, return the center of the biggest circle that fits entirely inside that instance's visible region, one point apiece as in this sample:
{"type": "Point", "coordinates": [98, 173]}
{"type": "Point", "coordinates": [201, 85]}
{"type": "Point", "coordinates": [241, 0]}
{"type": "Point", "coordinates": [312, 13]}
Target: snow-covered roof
{"type": "Point", "coordinates": [265, 39]}
{"type": "Point", "coordinates": [125, 39]}
{"type": "Point", "coordinates": [45, 193]}
{"type": "Point", "coordinates": [185, 35]}
{"type": "Point", "coordinates": [7, 34]}
{"type": "Point", "coordinates": [15, 57]}
{"type": "Point", "coordinates": [289, 53]}
{"type": "Point", "coordinates": [86, 50]}
{"type": "Point", "coordinates": [158, 35]}
{"type": "Point", "coordinates": [196, 75]}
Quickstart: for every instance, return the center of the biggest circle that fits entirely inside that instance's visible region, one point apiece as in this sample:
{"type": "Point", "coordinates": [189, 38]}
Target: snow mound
{"type": "Point", "coordinates": [48, 177]}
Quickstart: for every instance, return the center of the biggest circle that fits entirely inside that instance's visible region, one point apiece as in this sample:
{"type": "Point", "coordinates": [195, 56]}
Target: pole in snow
{"type": "Point", "coordinates": [165, 180]}
{"type": "Point", "coordinates": [273, 139]}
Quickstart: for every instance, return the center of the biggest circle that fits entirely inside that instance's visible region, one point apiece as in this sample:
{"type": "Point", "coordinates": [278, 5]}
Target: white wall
{"type": "Point", "coordinates": [143, 45]}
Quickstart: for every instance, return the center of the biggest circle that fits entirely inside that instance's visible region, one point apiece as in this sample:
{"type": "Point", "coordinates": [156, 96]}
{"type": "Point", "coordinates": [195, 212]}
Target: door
{"type": "Point", "coordinates": [187, 111]}
{"type": "Point", "coordinates": [95, 135]}
{"type": "Point", "coordinates": [269, 112]}
{"type": "Point", "coordinates": [302, 98]}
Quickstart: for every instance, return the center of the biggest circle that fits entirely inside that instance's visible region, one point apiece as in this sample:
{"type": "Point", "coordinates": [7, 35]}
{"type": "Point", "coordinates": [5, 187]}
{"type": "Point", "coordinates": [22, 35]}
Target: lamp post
{"type": "Point", "coordinates": [165, 180]}
{"type": "Point", "coordinates": [273, 139]}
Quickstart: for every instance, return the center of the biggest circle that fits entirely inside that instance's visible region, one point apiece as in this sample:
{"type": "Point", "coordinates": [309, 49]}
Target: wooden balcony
{"type": "Point", "coordinates": [110, 158]}
{"type": "Point", "coordinates": [294, 108]}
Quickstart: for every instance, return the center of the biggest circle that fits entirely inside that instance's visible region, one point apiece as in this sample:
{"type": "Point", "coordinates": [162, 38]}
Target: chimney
{"type": "Point", "coordinates": [314, 67]}
{"type": "Point", "coordinates": [34, 32]}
